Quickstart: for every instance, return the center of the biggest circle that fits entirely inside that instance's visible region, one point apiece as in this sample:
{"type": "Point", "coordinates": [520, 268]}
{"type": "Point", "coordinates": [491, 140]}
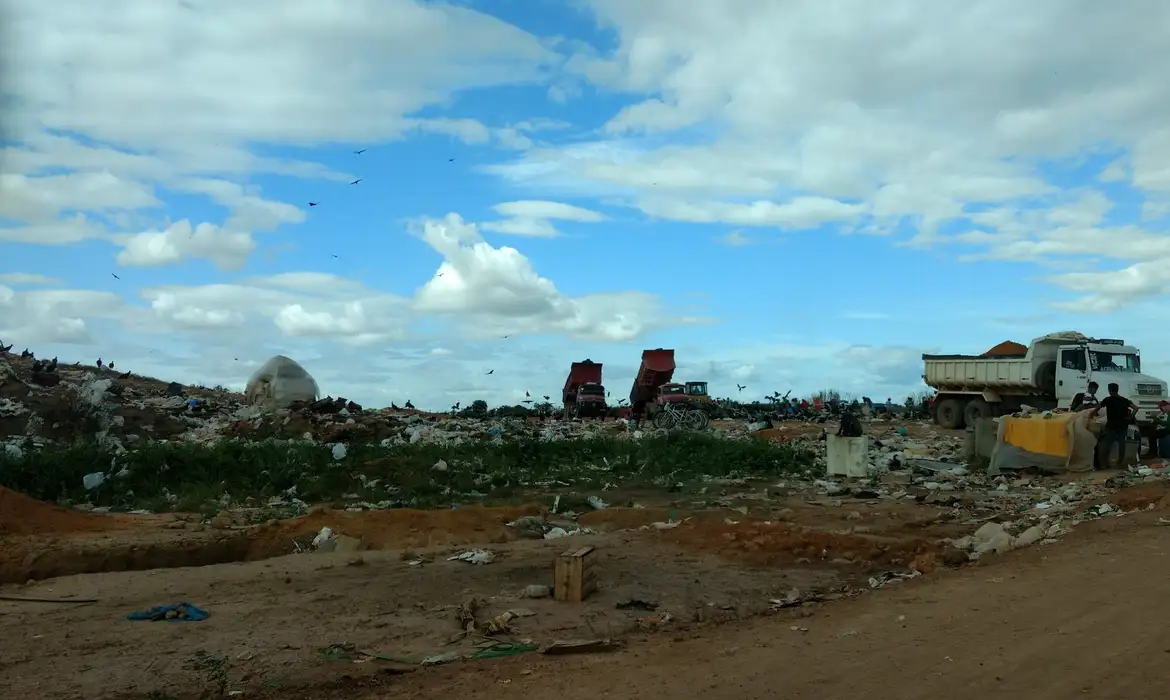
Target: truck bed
{"type": "Point", "coordinates": [973, 373]}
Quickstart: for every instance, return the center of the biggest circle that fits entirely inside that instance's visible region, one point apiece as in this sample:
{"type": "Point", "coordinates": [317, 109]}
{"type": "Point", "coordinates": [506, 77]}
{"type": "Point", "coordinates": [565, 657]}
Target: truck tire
{"type": "Point", "coordinates": [975, 410]}
{"type": "Point", "coordinates": [1045, 378]}
{"type": "Point", "coordinates": [948, 413]}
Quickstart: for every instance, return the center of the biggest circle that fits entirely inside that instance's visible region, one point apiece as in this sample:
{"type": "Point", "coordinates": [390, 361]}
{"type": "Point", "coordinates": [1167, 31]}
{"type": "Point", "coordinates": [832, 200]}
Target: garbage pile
{"type": "Point", "coordinates": [281, 401]}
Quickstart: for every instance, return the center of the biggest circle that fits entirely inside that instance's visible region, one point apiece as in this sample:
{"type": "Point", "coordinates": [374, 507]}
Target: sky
{"type": "Point", "coordinates": [792, 195]}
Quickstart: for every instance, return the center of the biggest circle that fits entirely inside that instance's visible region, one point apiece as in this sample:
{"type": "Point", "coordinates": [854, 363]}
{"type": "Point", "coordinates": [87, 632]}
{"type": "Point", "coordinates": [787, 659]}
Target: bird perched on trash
{"type": "Point", "coordinates": [393, 406]}
{"type": "Point", "coordinates": [111, 365]}
{"type": "Point", "coordinates": [409, 405]}
{"type": "Point", "coordinates": [26, 355]}
{"type": "Point", "coordinates": [99, 363]}
{"type": "Point", "coordinates": [124, 376]}
{"type": "Point", "coordinates": [4, 349]}
{"type": "Point", "coordinates": [52, 366]}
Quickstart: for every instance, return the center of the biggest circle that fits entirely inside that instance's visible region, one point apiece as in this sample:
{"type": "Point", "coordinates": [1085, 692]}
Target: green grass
{"type": "Point", "coordinates": [161, 476]}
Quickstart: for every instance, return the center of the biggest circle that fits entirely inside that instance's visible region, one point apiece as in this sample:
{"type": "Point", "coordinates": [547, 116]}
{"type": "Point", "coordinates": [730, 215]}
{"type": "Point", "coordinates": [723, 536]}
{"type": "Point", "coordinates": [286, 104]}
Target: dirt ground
{"type": "Point", "coordinates": [1076, 617]}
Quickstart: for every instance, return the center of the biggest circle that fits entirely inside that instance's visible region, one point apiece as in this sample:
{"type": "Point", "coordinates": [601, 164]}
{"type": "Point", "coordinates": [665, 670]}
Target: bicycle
{"type": "Point", "coordinates": [671, 416]}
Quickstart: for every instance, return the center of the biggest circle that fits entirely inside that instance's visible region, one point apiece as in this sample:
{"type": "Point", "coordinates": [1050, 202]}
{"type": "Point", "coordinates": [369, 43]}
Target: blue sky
{"type": "Point", "coordinates": [785, 209]}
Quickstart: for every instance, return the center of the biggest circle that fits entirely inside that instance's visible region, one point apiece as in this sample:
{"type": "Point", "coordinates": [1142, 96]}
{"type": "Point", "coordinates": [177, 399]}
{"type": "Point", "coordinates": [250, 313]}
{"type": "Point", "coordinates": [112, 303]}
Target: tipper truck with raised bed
{"type": "Point", "coordinates": [1054, 370]}
{"type": "Point", "coordinates": [654, 387]}
{"type": "Point", "coordinates": [584, 395]}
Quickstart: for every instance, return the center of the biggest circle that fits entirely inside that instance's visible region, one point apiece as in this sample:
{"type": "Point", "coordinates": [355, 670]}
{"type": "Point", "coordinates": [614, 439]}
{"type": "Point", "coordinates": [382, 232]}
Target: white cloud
{"type": "Point", "coordinates": [42, 198]}
{"type": "Point", "coordinates": [181, 241]}
{"type": "Point", "coordinates": [500, 290]}
{"type": "Point", "coordinates": [532, 218]}
{"type": "Point", "coordinates": [735, 239]}
{"type": "Point", "coordinates": [26, 278]}
{"type": "Point", "coordinates": [265, 71]}
{"type": "Point", "coordinates": [798, 114]}
{"type": "Point", "coordinates": [154, 117]}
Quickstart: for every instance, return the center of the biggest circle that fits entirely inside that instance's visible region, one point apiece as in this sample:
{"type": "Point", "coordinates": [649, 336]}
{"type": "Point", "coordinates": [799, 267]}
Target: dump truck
{"type": "Point", "coordinates": [584, 395]}
{"type": "Point", "coordinates": [1055, 368]}
{"type": "Point", "coordinates": [653, 384]}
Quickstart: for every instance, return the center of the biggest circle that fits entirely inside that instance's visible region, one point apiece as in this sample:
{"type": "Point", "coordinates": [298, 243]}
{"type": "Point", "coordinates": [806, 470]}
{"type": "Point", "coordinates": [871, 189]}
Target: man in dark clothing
{"type": "Point", "coordinates": [1087, 399]}
{"type": "Point", "coordinates": [1119, 413]}
{"type": "Point", "coordinates": [1161, 429]}
{"type": "Point", "coordinates": [638, 410]}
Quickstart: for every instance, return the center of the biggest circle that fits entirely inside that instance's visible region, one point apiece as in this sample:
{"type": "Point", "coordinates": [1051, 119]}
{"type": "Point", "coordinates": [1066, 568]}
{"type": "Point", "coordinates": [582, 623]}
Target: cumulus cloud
{"type": "Point", "coordinates": [501, 291]}
{"type": "Point", "coordinates": [532, 218]}
{"type": "Point", "coordinates": [797, 115]}
{"type": "Point", "coordinates": [131, 119]}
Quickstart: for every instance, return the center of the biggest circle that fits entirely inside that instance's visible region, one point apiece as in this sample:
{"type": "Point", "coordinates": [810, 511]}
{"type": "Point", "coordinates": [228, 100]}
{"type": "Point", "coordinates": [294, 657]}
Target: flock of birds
{"type": "Point", "coordinates": [315, 204]}
{"type": "Point", "coordinates": [50, 366]}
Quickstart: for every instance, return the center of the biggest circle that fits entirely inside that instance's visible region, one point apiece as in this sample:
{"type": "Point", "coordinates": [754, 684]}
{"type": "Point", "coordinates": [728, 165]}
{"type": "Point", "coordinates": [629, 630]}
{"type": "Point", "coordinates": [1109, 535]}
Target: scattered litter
{"type": "Point", "coordinates": [795, 598]}
{"type": "Point", "coordinates": [180, 612]}
{"type": "Point", "coordinates": [537, 591]}
{"type": "Point", "coordinates": [596, 503]}
{"type": "Point", "coordinates": [654, 622]}
{"type": "Point", "coordinates": [474, 556]}
{"type": "Point", "coordinates": [324, 539]}
{"type": "Point", "coordinates": [887, 577]}
{"type": "Point", "coordinates": [636, 604]}
{"type": "Point", "coordinates": [92, 481]}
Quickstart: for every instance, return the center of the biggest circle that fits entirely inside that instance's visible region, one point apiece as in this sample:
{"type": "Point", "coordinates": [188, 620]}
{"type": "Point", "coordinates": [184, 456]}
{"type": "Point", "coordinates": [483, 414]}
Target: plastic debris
{"type": "Point", "coordinates": [474, 556]}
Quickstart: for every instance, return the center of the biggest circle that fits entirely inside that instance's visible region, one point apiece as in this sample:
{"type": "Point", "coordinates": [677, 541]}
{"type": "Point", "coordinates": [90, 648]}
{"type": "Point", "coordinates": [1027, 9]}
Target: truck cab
{"type": "Point", "coordinates": [1107, 362]}
{"type": "Point", "coordinates": [697, 391]}
{"type": "Point", "coordinates": [671, 393]}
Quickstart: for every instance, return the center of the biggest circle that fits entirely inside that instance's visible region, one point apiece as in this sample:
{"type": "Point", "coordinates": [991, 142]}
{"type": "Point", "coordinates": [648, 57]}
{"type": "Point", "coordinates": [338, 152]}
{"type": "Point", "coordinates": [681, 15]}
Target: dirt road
{"type": "Point", "coordinates": [1082, 618]}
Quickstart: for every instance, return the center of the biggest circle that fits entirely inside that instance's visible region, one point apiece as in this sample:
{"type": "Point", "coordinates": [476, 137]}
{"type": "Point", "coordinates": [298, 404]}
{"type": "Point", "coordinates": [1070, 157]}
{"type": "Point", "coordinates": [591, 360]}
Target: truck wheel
{"type": "Point", "coordinates": [949, 414]}
{"type": "Point", "coordinates": [976, 409]}
{"type": "Point", "coordinates": [1045, 378]}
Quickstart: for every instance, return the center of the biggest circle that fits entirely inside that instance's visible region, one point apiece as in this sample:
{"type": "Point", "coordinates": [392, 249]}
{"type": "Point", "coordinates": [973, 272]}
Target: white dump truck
{"type": "Point", "coordinates": [1049, 375]}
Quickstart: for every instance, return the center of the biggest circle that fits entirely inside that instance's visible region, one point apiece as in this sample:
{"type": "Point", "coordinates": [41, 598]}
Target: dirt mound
{"type": "Point", "coordinates": [1007, 347]}
{"type": "Point", "coordinates": [21, 515]}
{"type": "Point", "coordinates": [771, 544]}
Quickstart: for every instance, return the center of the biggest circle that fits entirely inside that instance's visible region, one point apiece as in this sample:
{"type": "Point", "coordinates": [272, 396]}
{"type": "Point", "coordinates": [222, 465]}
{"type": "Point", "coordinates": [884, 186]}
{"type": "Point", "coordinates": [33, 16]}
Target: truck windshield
{"type": "Point", "coordinates": [1114, 362]}
{"type": "Point", "coordinates": [592, 389]}
{"type": "Point", "coordinates": [672, 389]}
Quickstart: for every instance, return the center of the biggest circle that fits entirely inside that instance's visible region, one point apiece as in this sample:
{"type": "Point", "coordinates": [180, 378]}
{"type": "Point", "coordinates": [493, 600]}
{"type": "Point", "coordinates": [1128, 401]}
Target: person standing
{"type": "Point", "coordinates": [1086, 400]}
{"type": "Point", "coordinates": [1119, 413]}
{"type": "Point", "coordinates": [1161, 429]}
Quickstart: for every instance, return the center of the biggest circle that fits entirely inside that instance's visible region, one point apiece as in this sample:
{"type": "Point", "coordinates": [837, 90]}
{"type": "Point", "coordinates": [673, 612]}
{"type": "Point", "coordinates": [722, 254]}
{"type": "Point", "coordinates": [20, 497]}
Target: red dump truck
{"type": "Point", "coordinates": [584, 395]}
{"type": "Point", "coordinates": [653, 384]}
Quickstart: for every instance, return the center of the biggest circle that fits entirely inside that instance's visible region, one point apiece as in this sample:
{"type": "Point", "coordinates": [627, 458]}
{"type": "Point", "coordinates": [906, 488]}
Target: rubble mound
{"type": "Point", "coordinates": [21, 515]}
